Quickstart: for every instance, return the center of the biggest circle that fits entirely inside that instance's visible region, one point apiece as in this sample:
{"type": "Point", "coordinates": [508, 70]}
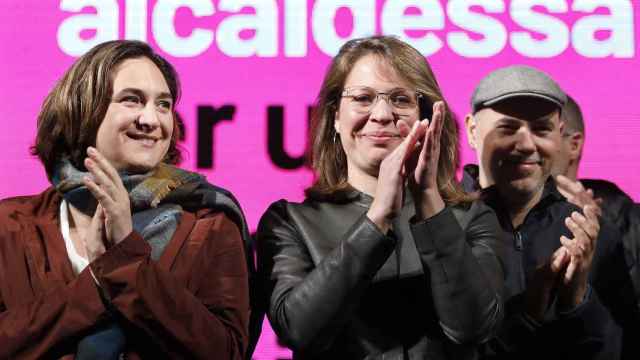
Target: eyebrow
{"type": "Point", "coordinates": [136, 91]}
{"type": "Point", "coordinates": [542, 119]}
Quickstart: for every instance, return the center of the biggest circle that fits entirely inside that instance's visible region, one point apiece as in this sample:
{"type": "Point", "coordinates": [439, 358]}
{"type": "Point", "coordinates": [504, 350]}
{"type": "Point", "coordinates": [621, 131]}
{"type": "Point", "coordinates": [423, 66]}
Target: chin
{"type": "Point", "coordinates": [526, 186]}
{"type": "Point", "coordinates": [140, 167]}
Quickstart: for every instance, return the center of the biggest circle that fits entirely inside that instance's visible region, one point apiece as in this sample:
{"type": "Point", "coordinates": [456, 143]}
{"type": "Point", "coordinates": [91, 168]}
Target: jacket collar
{"type": "Point", "coordinates": [359, 198]}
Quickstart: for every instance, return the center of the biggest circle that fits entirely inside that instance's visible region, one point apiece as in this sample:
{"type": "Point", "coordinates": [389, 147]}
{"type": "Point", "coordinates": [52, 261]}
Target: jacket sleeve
{"type": "Point", "coordinates": [33, 329]}
{"type": "Point", "coordinates": [309, 303]}
{"type": "Point", "coordinates": [207, 315]}
{"type": "Point", "coordinates": [466, 271]}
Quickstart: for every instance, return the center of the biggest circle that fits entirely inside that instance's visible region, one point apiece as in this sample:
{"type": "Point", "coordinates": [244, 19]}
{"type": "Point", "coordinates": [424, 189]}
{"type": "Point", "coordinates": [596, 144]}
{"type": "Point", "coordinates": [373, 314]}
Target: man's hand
{"type": "Point", "coordinates": [576, 194]}
{"type": "Point", "coordinates": [581, 248]}
{"type": "Point", "coordinates": [544, 281]}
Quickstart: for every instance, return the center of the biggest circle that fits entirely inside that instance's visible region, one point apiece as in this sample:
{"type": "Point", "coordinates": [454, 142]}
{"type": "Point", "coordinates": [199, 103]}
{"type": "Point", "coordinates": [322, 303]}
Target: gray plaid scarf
{"type": "Point", "coordinates": [157, 201]}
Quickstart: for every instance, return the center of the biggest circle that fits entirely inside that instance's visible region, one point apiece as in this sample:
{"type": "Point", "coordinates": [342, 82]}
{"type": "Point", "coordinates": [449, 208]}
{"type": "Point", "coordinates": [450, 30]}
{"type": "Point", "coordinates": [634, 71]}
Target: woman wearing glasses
{"type": "Point", "coordinates": [386, 257]}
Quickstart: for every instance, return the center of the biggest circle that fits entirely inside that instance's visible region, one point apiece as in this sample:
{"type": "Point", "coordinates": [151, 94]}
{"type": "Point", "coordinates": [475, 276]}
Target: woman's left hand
{"type": "Point", "coordinates": [423, 184]}
{"type": "Point", "coordinates": [107, 187]}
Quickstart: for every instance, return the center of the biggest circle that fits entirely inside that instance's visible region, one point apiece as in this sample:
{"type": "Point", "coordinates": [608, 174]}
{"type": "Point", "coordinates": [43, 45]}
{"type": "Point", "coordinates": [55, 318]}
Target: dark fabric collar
{"type": "Point", "coordinates": [491, 196]}
{"type": "Point", "coordinates": [471, 183]}
{"type": "Point", "coordinates": [549, 193]}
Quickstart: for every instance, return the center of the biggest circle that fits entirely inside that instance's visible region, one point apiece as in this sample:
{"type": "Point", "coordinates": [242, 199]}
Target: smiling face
{"type": "Point", "coordinates": [515, 142]}
{"type": "Point", "coordinates": [137, 128]}
{"type": "Point", "coordinates": [367, 138]}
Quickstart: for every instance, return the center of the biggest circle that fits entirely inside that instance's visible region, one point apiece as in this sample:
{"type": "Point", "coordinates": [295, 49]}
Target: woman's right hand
{"type": "Point", "coordinates": [387, 201]}
{"type": "Point", "coordinates": [95, 236]}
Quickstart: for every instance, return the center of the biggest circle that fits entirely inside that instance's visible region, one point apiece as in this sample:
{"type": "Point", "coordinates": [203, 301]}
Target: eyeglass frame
{"type": "Point", "coordinates": [418, 97]}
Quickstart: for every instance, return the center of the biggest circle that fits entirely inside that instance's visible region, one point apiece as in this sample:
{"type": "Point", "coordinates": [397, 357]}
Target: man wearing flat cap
{"type": "Point", "coordinates": [567, 290]}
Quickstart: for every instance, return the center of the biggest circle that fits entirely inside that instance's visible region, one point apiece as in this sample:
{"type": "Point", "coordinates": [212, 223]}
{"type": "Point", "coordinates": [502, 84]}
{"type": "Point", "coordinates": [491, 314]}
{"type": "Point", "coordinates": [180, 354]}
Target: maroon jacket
{"type": "Point", "coordinates": [192, 302]}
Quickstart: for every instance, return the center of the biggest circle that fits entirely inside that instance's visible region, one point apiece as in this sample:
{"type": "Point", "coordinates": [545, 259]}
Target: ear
{"type": "Point", "coordinates": [576, 142]}
{"type": "Point", "coordinates": [336, 122]}
{"type": "Point", "coordinates": [471, 127]}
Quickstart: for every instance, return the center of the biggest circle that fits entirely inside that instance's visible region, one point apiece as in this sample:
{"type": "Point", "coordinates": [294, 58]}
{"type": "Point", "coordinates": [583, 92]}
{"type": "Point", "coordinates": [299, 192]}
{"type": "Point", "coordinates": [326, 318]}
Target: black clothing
{"type": "Point", "coordinates": [590, 331]}
{"type": "Point", "coordinates": [338, 288]}
{"type": "Point", "coordinates": [619, 209]}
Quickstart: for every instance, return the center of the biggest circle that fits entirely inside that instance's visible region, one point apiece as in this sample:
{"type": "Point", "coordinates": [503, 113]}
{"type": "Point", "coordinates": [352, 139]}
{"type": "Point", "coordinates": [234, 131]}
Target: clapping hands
{"type": "Point", "coordinates": [111, 222]}
{"type": "Point", "coordinates": [415, 159]}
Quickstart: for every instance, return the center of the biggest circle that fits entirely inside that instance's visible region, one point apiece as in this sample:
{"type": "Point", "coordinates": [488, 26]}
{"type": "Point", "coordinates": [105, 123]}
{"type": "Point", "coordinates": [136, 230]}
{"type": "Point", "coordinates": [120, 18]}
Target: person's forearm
{"type": "Point", "coordinates": [466, 300]}
{"type": "Point", "coordinates": [32, 329]}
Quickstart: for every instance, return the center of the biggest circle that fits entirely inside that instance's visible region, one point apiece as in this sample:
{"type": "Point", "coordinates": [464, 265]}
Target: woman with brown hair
{"type": "Point", "coordinates": [125, 255]}
{"type": "Point", "coordinates": [387, 257]}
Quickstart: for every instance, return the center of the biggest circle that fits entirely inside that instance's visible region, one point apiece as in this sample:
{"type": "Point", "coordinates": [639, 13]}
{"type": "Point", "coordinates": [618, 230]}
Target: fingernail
{"type": "Point", "coordinates": [91, 150]}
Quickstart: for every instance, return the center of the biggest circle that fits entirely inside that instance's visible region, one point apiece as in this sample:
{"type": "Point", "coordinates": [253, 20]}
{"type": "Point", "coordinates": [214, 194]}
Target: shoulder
{"type": "Point", "coordinates": [286, 209]}
{"type": "Point", "coordinates": [473, 212]}
{"type": "Point", "coordinates": [277, 213]}
{"type": "Point", "coordinates": [17, 210]}
{"type": "Point", "coordinates": [216, 229]}
{"type": "Point", "coordinates": [605, 189]}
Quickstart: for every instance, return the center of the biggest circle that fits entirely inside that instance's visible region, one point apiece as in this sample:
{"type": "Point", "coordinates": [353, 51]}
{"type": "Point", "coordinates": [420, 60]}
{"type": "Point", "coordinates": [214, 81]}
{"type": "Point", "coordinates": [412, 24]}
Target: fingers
{"type": "Point", "coordinates": [94, 236]}
{"type": "Point", "coordinates": [104, 174]}
{"type": "Point", "coordinates": [577, 194]}
{"type": "Point", "coordinates": [100, 178]}
{"type": "Point", "coordinates": [570, 186]}
{"type": "Point", "coordinates": [585, 232]}
{"type": "Point", "coordinates": [558, 260]}
{"type": "Point", "coordinates": [103, 164]}
{"type": "Point", "coordinates": [593, 213]}
{"type": "Point", "coordinates": [575, 255]}
{"type": "Point", "coordinates": [408, 144]}
{"type": "Point", "coordinates": [403, 128]}
{"type": "Point", "coordinates": [571, 269]}
{"type": "Point", "coordinates": [588, 222]}
{"type": "Point", "coordinates": [438, 123]}
{"type": "Point", "coordinates": [431, 148]}
{"type": "Point", "coordinates": [578, 232]}
{"type": "Point", "coordinates": [98, 192]}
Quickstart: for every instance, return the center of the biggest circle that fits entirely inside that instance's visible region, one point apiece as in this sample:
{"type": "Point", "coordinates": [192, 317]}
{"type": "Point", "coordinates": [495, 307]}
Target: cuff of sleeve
{"type": "Point", "coordinates": [437, 233]}
{"type": "Point", "coordinates": [415, 221]}
{"type": "Point", "coordinates": [132, 248]}
{"type": "Point", "coordinates": [578, 308]}
{"type": "Point", "coordinates": [372, 227]}
{"type": "Point", "coordinates": [87, 297]}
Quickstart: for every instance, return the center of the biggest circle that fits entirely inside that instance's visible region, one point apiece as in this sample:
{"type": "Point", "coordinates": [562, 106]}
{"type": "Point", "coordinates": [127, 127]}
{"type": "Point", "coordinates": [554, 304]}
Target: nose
{"type": "Point", "coordinates": [525, 142]}
{"type": "Point", "coordinates": [382, 111]}
{"type": "Point", "coordinates": [148, 118]}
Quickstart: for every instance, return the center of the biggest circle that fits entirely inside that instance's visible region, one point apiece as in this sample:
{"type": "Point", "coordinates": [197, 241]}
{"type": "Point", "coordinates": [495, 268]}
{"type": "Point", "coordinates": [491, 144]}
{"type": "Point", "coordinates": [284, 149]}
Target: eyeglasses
{"type": "Point", "coordinates": [363, 99]}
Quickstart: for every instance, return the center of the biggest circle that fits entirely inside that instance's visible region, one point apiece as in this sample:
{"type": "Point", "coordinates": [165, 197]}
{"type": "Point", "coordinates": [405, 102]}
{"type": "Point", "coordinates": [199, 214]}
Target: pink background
{"type": "Point", "coordinates": [31, 61]}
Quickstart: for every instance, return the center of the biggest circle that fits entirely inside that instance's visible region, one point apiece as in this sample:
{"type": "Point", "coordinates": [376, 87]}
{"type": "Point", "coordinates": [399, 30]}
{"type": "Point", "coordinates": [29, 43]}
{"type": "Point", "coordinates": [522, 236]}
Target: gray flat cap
{"type": "Point", "coordinates": [516, 81]}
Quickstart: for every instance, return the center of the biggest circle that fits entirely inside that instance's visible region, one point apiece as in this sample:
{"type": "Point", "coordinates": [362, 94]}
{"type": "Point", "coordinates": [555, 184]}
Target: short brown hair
{"type": "Point", "coordinates": [327, 155]}
{"type": "Point", "coordinates": [73, 111]}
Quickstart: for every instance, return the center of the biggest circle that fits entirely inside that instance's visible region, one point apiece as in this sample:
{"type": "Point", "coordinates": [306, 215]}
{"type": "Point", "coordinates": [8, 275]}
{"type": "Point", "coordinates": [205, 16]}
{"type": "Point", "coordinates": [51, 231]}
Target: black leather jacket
{"type": "Point", "coordinates": [338, 288]}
